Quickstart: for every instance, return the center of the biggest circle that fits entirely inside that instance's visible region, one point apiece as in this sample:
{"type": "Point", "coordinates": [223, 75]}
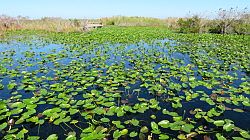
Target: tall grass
{"type": "Point", "coordinates": [8, 23]}
{"type": "Point", "coordinates": [76, 25]}
{"type": "Point", "coordinates": [51, 24]}
{"type": "Point", "coordinates": [47, 23]}
{"type": "Point", "coordinates": [133, 21]}
{"type": "Point", "coordinates": [202, 25]}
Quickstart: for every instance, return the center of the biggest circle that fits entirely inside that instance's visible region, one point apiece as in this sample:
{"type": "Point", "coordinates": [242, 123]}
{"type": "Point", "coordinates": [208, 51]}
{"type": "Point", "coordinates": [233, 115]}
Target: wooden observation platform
{"type": "Point", "coordinates": [92, 25]}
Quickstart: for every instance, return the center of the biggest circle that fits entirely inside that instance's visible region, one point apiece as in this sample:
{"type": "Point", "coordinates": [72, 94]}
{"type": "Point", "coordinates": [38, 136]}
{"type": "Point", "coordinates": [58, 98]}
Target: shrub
{"type": "Point", "coordinates": [233, 21]}
{"type": "Point", "coordinates": [8, 23]}
{"type": "Point", "coordinates": [189, 25]}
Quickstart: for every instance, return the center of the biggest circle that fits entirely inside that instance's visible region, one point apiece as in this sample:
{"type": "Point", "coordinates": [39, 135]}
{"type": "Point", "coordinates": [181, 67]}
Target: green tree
{"type": "Point", "coordinates": [189, 25]}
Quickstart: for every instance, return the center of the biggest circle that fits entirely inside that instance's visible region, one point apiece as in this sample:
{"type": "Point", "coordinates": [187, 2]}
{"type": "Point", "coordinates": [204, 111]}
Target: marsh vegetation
{"type": "Point", "coordinates": [124, 83]}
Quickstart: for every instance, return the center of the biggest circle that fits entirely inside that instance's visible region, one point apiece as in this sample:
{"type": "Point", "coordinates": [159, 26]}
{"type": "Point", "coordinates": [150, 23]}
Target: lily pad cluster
{"type": "Point", "coordinates": [124, 83]}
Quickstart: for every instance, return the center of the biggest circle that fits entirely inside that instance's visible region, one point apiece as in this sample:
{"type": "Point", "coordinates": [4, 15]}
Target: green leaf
{"type": "Point", "coordinates": [71, 136]}
{"type": "Point", "coordinates": [105, 120]}
{"type": "Point", "coordinates": [153, 117]}
{"type": "Point", "coordinates": [246, 103]}
{"type": "Point", "coordinates": [181, 137]}
{"type": "Point", "coordinates": [33, 138]}
{"type": "Point", "coordinates": [133, 134]}
{"type": "Point", "coordinates": [1, 86]}
{"type": "Point", "coordinates": [117, 134]}
{"type": "Point", "coordinates": [11, 86]}
{"type": "Point", "coordinates": [3, 126]}
{"type": "Point", "coordinates": [20, 135]}
{"type": "Point", "coordinates": [74, 122]}
{"type": "Point", "coordinates": [154, 126]}
{"type": "Point", "coordinates": [73, 111]}
{"type": "Point", "coordinates": [65, 105]}
{"type": "Point", "coordinates": [238, 110]}
{"type": "Point", "coordinates": [52, 137]}
{"type": "Point", "coordinates": [228, 127]}
{"type": "Point", "coordinates": [238, 138]}
{"type": "Point", "coordinates": [16, 111]}
{"type": "Point", "coordinates": [163, 137]}
{"type": "Point", "coordinates": [219, 122]}
{"type": "Point", "coordinates": [210, 101]}
{"type": "Point", "coordinates": [134, 122]}
{"type": "Point", "coordinates": [118, 124]}
{"type": "Point", "coordinates": [124, 132]}
{"type": "Point", "coordinates": [220, 137]}
{"type": "Point", "coordinates": [43, 91]}
{"type": "Point", "coordinates": [177, 118]}
{"type": "Point", "coordinates": [144, 129]}
{"type": "Point", "coordinates": [245, 134]}
{"type": "Point", "coordinates": [18, 105]}
{"type": "Point", "coordinates": [164, 123]}
{"type": "Point", "coordinates": [187, 128]}
{"type": "Point", "coordinates": [30, 88]}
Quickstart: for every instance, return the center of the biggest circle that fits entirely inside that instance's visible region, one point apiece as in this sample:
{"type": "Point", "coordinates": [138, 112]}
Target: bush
{"type": "Point", "coordinates": [110, 22]}
{"type": "Point", "coordinates": [189, 25]}
{"type": "Point", "coordinates": [213, 27]}
{"type": "Point", "coordinates": [233, 20]}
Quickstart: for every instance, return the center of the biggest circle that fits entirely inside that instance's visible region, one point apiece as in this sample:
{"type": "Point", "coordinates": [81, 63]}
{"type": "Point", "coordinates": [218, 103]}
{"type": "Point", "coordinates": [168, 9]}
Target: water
{"type": "Point", "coordinates": [50, 60]}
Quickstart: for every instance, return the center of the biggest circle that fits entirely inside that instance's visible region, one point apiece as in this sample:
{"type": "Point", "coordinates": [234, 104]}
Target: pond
{"type": "Point", "coordinates": [126, 91]}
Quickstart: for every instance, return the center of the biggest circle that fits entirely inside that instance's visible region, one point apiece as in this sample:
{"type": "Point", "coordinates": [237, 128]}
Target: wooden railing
{"type": "Point", "coordinates": [92, 25]}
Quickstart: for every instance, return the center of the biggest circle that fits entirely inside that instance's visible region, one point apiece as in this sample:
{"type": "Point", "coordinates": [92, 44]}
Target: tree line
{"type": "Point", "coordinates": [231, 21]}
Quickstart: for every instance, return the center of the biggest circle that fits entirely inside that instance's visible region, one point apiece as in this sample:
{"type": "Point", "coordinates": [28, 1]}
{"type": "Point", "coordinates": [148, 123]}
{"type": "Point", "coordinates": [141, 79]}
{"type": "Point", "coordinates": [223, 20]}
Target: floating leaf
{"type": "Point", "coordinates": [238, 110]}
{"type": "Point", "coordinates": [71, 137]}
{"type": "Point", "coordinates": [144, 129]}
{"type": "Point", "coordinates": [33, 138]}
{"type": "Point", "coordinates": [220, 137]}
{"type": "Point", "coordinates": [187, 128]}
{"type": "Point", "coordinates": [105, 119]}
{"type": "Point", "coordinates": [163, 137]}
{"type": "Point", "coordinates": [228, 126]}
{"type": "Point", "coordinates": [3, 126]}
{"type": "Point", "coordinates": [245, 134]}
{"type": "Point", "coordinates": [181, 137]}
{"type": "Point", "coordinates": [52, 137]}
{"type": "Point", "coordinates": [117, 134]}
{"type": "Point", "coordinates": [124, 131]}
{"type": "Point", "coordinates": [20, 135]}
{"type": "Point", "coordinates": [154, 126]}
{"type": "Point", "coordinates": [219, 122]}
{"type": "Point", "coordinates": [133, 134]}
{"type": "Point", "coordinates": [164, 123]}
{"type": "Point", "coordinates": [134, 122]}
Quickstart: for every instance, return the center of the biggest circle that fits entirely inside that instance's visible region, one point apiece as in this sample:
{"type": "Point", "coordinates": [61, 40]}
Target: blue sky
{"type": "Point", "coordinates": [107, 8]}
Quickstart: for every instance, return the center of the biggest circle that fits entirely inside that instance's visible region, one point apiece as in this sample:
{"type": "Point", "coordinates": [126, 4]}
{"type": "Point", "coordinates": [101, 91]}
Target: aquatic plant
{"type": "Point", "coordinates": [124, 83]}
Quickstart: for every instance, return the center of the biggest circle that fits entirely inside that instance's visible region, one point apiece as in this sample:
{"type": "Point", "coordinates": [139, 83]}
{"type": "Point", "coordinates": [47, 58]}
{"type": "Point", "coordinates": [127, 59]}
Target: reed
{"type": "Point", "coordinates": [47, 24]}
{"type": "Point", "coordinates": [75, 25]}
{"type": "Point", "coordinates": [133, 21]}
{"type": "Point", "coordinates": [52, 24]}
